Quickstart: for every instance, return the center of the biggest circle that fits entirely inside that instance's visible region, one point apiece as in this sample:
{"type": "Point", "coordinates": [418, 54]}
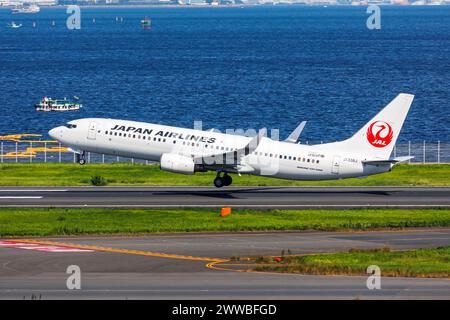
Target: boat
{"type": "Point", "coordinates": [146, 23]}
{"type": "Point", "coordinates": [13, 25]}
{"type": "Point", "coordinates": [26, 8]}
{"type": "Point", "coordinates": [49, 104]}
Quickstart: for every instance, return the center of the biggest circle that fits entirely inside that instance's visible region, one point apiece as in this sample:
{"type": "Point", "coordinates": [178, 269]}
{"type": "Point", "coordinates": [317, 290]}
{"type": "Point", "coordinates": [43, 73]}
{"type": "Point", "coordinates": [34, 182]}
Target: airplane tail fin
{"type": "Point", "coordinates": [377, 138]}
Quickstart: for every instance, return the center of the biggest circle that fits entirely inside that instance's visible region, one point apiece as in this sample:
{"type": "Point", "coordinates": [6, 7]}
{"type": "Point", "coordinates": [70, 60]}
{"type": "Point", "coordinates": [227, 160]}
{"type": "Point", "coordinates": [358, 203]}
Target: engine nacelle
{"type": "Point", "coordinates": [177, 163]}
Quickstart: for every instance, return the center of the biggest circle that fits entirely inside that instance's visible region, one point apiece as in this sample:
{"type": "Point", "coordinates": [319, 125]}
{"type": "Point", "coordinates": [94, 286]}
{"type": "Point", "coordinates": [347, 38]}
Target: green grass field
{"type": "Point", "coordinates": [59, 221]}
{"type": "Point", "coordinates": [414, 263]}
{"type": "Point", "coordinates": [137, 174]}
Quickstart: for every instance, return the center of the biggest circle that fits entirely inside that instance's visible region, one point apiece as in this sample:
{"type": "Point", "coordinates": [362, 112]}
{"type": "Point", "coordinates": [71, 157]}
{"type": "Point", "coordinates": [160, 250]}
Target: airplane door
{"type": "Point", "coordinates": [92, 131]}
{"type": "Point", "coordinates": [335, 164]}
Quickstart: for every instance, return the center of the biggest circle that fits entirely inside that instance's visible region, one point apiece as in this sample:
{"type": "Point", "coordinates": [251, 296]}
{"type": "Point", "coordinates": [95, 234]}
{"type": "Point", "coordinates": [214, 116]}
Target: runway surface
{"type": "Point", "coordinates": [243, 197]}
{"type": "Point", "coordinates": [189, 266]}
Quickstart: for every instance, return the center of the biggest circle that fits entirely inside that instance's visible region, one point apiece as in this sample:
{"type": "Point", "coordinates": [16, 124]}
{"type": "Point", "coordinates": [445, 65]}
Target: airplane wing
{"type": "Point", "coordinates": [293, 137]}
{"type": "Point", "coordinates": [388, 161]}
{"type": "Point", "coordinates": [230, 160]}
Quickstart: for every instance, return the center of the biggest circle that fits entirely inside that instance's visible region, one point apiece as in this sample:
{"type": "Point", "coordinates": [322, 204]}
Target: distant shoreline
{"type": "Point", "coordinates": [153, 6]}
{"type": "Point", "coordinates": [120, 6]}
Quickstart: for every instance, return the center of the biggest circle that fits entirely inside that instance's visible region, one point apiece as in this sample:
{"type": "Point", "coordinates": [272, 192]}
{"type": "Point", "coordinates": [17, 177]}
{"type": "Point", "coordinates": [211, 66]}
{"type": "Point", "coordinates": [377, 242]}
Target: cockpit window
{"type": "Point", "coordinates": [71, 126]}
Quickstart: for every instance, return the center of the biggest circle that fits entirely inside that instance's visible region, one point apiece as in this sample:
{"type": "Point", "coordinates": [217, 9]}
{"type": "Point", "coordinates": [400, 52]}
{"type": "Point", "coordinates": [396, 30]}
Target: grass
{"type": "Point", "coordinates": [415, 263]}
{"type": "Point", "coordinates": [60, 221]}
{"type": "Point", "coordinates": [67, 174]}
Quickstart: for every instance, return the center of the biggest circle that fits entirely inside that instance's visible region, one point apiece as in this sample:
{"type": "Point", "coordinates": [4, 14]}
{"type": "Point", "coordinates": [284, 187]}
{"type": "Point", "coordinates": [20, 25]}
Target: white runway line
{"type": "Point", "coordinates": [21, 197]}
{"type": "Point", "coordinates": [32, 190]}
{"type": "Point", "coordinates": [234, 206]}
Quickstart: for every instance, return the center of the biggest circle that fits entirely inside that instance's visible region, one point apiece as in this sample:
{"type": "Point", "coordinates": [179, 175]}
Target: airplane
{"type": "Point", "coordinates": [187, 151]}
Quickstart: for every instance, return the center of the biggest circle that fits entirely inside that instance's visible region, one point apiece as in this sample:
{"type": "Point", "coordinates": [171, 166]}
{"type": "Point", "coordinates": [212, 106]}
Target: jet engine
{"type": "Point", "coordinates": [177, 163]}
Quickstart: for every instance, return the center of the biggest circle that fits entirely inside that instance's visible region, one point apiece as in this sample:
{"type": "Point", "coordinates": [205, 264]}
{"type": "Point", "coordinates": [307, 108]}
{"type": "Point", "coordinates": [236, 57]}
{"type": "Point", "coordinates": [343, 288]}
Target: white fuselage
{"type": "Point", "coordinates": [270, 158]}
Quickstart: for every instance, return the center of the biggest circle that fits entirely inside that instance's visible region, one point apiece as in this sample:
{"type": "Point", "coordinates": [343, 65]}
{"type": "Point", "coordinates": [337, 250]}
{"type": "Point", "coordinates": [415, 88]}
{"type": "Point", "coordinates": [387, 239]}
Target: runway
{"type": "Point", "coordinates": [239, 197]}
{"type": "Point", "coordinates": [178, 266]}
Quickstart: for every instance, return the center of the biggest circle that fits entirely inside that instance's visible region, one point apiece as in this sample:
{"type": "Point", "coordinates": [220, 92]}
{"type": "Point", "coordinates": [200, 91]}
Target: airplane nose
{"type": "Point", "coordinates": [54, 132]}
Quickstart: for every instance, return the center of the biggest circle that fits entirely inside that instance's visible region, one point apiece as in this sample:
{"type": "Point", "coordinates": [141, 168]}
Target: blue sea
{"type": "Point", "coordinates": [252, 67]}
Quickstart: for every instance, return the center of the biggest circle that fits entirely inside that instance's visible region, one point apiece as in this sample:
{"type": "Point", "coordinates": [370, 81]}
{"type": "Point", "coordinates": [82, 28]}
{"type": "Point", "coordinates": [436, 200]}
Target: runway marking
{"type": "Point", "coordinates": [37, 247]}
{"type": "Point", "coordinates": [21, 197]}
{"type": "Point", "coordinates": [118, 250]}
{"type": "Point", "coordinates": [234, 206]}
{"type": "Point", "coordinates": [32, 190]}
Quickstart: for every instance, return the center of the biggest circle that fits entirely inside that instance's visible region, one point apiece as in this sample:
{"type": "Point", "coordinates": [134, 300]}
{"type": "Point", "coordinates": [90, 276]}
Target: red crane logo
{"type": "Point", "coordinates": [380, 134]}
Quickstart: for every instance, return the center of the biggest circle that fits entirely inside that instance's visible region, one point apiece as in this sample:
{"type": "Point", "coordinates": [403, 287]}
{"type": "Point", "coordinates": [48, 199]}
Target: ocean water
{"type": "Point", "coordinates": [230, 68]}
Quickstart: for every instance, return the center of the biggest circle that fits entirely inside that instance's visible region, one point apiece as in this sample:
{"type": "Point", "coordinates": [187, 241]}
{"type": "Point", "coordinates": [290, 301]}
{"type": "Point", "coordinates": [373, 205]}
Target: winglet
{"type": "Point", "coordinates": [293, 137]}
{"type": "Point", "coordinates": [253, 144]}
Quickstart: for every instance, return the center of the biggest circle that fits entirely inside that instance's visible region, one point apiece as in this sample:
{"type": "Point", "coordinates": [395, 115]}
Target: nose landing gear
{"type": "Point", "coordinates": [219, 181]}
{"type": "Point", "coordinates": [81, 158]}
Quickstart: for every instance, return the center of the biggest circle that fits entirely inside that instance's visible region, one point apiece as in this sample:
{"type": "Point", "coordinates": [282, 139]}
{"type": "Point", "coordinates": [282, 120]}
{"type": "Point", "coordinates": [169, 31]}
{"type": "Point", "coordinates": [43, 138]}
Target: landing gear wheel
{"type": "Point", "coordinates": [81, 158]}
{"type": "Point", "coordinates": [218, 182]}
{"type": "Point", "coordinates": [227, 180]}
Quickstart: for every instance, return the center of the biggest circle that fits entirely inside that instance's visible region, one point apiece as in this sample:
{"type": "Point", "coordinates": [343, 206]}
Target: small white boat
{"type": "Point", "coordinates": [146, 23]}
{"type": "Point", "coordinates": [49, 104]}
{"type": "Point", "coordinates": [13, 25]}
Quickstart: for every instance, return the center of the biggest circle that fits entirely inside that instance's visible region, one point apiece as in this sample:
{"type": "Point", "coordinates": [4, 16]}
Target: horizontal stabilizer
{"type": "Point", "coordinates": [388, 161]}
{"type": "Point", "coordinates": [293, 137]}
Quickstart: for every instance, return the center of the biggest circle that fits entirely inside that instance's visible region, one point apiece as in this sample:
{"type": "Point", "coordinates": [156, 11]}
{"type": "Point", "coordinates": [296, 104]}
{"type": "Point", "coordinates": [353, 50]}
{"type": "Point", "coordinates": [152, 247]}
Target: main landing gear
{"type": "Point", "coordinates": [219, 181]}
{"type": "Point", "coordinates": [81, 158]}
